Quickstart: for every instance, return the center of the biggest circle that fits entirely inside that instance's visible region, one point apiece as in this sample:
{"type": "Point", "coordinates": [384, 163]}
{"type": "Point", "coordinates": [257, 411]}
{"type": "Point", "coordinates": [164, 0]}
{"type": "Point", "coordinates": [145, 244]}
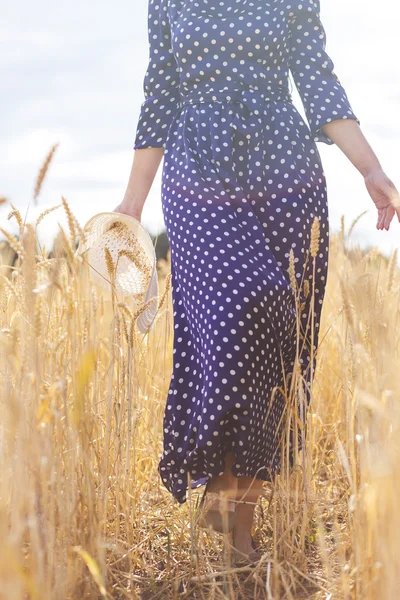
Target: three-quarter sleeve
{"type": "Point", "coordinates": [323, 97]}
{"type": "Point", "coordinates": [161, 81]}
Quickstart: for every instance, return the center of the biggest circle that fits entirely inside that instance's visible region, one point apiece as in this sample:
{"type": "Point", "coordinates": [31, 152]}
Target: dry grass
{"type": "Point", "coordinates": [83, 513]}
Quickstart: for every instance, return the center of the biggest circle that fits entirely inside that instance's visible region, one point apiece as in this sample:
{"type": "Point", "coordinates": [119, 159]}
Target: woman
{"type": "Point", "coordinates": [242, 183]}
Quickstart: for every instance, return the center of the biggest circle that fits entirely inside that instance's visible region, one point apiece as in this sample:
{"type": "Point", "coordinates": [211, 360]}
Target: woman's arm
{"type": "Point", "coordinates": [328, 110]}
{"type": "Point", "coordinates": [322, 94]}
{"type": "Point", "coordinates": [160, 106]}
{"type": "Point", "coordinates": [144, 168]}
{"type": "Point", "coordinates": [347, 134]}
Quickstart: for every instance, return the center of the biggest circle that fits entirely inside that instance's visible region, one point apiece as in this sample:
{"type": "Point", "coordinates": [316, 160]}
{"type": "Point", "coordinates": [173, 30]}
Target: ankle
{"type": "Point", "coordinates": [244, 502]}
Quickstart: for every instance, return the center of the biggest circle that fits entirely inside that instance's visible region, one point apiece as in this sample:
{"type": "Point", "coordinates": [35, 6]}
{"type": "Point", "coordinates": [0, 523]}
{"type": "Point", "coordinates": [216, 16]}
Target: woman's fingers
{"type": "Point", "coordinates": [394, 197]}
{"type": "Point", "coordinates": [391, 198]}
{"type": "Point", "coordinates": [385, 197]}
{"type": "Point", "coordinates": [389, 216]}
{"type": "Point", "coordinates": [381, 217]}
{"type": "Point", "coordinates": [393, 207]}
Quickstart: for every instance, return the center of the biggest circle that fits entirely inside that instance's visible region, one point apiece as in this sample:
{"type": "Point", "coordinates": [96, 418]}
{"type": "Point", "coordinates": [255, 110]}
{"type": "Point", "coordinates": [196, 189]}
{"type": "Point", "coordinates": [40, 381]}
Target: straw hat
{"type": "Point", "coordinates": [133, 260]}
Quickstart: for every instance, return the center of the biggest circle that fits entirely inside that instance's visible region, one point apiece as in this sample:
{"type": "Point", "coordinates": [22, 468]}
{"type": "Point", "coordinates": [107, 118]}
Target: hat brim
{"type": "Point", "coordinates": [128, 280]}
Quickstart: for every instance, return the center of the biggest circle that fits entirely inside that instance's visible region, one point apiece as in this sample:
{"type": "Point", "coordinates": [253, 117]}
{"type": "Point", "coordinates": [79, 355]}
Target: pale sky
{"type": "Point", "coordinates": [73, 73]}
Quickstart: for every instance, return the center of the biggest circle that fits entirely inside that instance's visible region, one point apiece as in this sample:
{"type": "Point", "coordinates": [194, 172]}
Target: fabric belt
{"type": "Point", "coordinates": [253, 99]}
{"type": "Point", "coordinates": [247, 106]}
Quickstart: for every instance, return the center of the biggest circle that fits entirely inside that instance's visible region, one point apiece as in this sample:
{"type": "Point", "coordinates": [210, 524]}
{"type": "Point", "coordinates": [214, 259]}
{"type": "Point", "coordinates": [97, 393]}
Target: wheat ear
{"type": "Point", "coordinates": [43, 171]}
{"type": "Point", "coordinates": [315, 233]}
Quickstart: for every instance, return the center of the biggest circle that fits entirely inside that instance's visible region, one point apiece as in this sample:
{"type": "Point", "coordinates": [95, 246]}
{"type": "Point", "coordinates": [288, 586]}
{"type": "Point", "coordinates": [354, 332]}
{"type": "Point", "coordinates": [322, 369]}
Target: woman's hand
{"type": "Point", "coordinates": [347, 134]}
{"type": "Point", "coordinates": [130, 210]}
{"type": "Point", "coordinates": [385, 196]}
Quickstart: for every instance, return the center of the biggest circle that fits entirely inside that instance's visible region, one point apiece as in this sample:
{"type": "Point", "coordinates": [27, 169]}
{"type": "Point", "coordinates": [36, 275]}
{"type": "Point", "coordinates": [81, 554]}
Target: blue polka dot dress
{"type": "Point", "coordinates": [242, 181]}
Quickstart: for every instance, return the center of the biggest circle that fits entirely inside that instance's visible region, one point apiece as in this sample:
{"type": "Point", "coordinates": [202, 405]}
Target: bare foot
{"type": "Point", "coordinates": [249, 491]}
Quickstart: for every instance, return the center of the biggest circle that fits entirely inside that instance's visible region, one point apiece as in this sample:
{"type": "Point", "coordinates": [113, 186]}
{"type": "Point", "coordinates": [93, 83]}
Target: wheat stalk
{"type": "Point", "coordinates": [315, 233]}
{"type": "Point", "coordinates": [15, 213]}
{"type": "Point", "coordinates": [342, 229]}
{"type": "Point", "coordinates": [14, 242]}
{"type": "Point", "coordinates": [140, 257]}
{"type": "Point", "coordinates": [144, 307]}
{"type": "Point", "coordinates": [391, 269]}
{"type": "Point", "coordinates": [132, 334]}
{"type": "Point", "coordinates": [45, 213]}
{"type": "Point", "coordinates": [73, 223]}
{"type": "Point", "coordinates": [168, 283]}
{"type": "Point", "coordinates": [292, 271]}
{"type": "Point", "coordinates": [355, 221]}
{"type": "Point", "coordinates": [39, 309]}
{"type": "Point", "coordinates": [347, 304]}
{"type": "Point", "coordinates": [144, 268]}
{"type": "Point", "coordinates": [62, 241]}
{"type": "Point", "coordinates": [63, 486]}
{"type": "Point", "coordinates": [43, 171]}
{"type": "Point", "coordinates": [109, 263]}
{"type": "Point", "coordinates": [71, 220]}
{"type": "Point", "coordinates": [125, 328]}
{"type": "Point", "coordinates": [126, 309]}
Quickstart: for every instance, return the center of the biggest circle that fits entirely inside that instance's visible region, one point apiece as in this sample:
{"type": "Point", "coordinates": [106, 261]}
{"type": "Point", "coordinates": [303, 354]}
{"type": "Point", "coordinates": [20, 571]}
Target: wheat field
{"type": "Point", "coordinates": [83, 513]}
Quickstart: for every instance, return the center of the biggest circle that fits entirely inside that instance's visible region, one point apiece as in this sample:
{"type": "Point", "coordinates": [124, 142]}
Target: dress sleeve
{"type": "Point", "coordinates": [161, 81]}
{"type": "Point", "coordinates": [321, 92]}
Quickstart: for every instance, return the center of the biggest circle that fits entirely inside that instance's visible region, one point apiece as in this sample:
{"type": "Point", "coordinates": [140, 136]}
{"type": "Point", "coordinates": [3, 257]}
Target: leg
{"type": "Point", "coordinates": [249, 490]}
{"type": "Point", "coordinates": [221, 516]}
{"type": "Point", "coordinates": [226, 482]}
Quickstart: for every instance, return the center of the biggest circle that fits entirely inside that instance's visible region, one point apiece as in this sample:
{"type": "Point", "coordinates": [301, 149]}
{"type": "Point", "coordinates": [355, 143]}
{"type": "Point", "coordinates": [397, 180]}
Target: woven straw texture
{"type": "Point", "coordinates": [132, 268]}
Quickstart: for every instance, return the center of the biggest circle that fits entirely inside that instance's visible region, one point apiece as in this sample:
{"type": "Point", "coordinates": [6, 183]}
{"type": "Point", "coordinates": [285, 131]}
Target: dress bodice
{"type": "Point", "coordinates": [218, 44]}
{"type": "Point", "coordinates": [205, 47]}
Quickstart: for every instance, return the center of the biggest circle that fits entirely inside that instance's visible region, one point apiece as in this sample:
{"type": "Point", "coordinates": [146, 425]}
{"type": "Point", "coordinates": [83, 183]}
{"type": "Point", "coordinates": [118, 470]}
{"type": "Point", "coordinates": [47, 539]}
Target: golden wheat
{"type": "Point", "coordinates": [14, 242]}
{"type": "Point", "coordinates": [109, 263]}
{"type": "Point", "coordinates": [71, 221]}
{"type": "Point", "coordinates": [292, 271]}
{"type": "Point", "coordinates": [391, 270]}
{"type": "Point", "coordinates": [43, 171]}
{"type": "Point", "coordinates": [83, 513]}
{"type": "Point", "coordinates": [15, 213]}
{"type": "Point", "coordinates": [46, 212]}
{"type": "Point", "coordinates": [315, 234]}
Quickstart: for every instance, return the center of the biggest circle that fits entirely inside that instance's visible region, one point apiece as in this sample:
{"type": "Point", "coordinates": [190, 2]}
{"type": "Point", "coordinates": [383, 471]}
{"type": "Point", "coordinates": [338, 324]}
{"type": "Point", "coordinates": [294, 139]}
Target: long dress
{"type": "Point", "coordinates": [242, 181]}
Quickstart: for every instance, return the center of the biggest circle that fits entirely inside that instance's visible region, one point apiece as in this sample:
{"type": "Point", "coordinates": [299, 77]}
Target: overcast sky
{"type": "Point", "coordinates": [72, 73]}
